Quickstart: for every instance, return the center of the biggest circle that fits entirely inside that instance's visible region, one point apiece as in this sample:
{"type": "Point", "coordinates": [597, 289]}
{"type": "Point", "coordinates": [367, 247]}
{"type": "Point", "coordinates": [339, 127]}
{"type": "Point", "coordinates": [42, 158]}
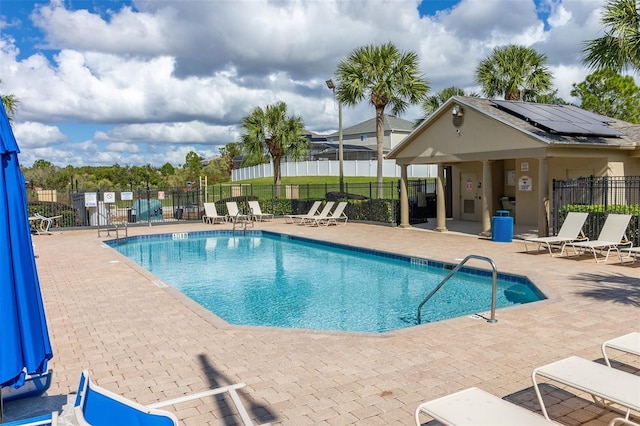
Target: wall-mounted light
{"type": "Point", "coordinates": [457, 111]}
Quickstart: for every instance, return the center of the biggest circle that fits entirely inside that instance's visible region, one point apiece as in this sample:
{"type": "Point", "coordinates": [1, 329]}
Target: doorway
{"type": "Point", "coordinates": [470, 196]}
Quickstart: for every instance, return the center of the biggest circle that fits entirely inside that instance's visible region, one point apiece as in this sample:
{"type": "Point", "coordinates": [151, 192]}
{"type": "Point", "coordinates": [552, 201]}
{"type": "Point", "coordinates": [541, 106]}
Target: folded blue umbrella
{"type": "Point", "coordinates": [25, 348]}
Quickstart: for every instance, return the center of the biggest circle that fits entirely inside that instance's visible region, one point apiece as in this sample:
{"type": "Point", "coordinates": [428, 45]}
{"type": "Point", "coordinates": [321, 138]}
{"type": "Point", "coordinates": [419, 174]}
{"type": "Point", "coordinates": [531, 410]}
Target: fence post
{"type": "Point", "coordinates": [606, 194]}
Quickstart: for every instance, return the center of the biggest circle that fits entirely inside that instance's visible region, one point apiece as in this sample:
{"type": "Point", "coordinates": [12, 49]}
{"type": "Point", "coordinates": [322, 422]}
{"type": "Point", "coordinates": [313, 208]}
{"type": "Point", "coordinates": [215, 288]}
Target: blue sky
{"type": "Point", "coordinates": [147, 81]}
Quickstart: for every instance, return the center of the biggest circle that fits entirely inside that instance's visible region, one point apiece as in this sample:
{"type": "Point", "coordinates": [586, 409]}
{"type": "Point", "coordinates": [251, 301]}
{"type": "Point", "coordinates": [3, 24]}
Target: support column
{"type": "Point", "coordinates": [441, 210]}
{"type": "Point", "coordinates": [404, 198]}
{"type": "Point", "coordinates": [543, 197]}
{"type": "Point", "coordinates": [487, 197]}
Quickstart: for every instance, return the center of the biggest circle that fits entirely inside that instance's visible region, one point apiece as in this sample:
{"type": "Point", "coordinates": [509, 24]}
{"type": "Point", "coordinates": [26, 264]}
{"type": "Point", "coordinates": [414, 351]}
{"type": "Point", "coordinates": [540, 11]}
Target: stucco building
{"type": "Point", "coordinates": [489, 152]}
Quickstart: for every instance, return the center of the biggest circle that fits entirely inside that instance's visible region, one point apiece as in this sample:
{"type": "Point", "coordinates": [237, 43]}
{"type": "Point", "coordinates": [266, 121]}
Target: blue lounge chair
{"type": "Point", "coordinates": [96, 406]}
{"type": "Point", "coordinates": [34, 385]}
{"type": "Point", "coordinates": [44, 420]}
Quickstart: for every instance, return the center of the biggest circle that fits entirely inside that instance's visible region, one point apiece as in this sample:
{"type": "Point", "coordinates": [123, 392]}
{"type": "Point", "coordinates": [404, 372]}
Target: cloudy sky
{"type": "Point", "coordinates": [139, 82]}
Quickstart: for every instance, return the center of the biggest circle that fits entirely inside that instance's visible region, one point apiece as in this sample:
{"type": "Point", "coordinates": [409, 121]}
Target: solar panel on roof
{"type": "Point", "coordinates": [561, 127]}
{"type": "Point", "coordinates": [588, 114]}
{"type": "Point", "coordinates": [601, 130]}
{"type": "Point", "coordinates": [561, 119]}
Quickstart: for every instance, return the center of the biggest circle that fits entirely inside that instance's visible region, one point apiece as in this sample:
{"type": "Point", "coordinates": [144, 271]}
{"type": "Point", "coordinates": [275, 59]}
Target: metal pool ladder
{"type": "Point", "coordinates": [456, 269]}
{"type": "Point", "coordinates": [244, 224]}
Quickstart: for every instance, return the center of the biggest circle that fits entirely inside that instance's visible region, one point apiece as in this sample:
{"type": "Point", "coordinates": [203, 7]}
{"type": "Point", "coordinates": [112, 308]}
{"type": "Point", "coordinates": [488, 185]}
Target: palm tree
{"type": "Point", "coordinates": [515, 72]}
{"type": "Point", "coordinates": [384, 76]}
{"type": "Point", "coordinates": [432, 103]}
{"type": "Point", "coordinates": [619, 48]}
{"type": "Point", "coordinates": [10, 103]}
{"type": "Point", "coordinates": [270, 131]}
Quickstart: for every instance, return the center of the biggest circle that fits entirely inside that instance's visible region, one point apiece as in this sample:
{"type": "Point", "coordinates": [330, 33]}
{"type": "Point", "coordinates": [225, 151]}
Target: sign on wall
{"type": "Point", "coordinates": [524, 183]}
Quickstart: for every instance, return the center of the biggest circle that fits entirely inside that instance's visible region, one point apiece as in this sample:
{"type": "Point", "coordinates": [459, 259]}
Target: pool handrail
{"type": "Point", "coordinates": [456, 269]}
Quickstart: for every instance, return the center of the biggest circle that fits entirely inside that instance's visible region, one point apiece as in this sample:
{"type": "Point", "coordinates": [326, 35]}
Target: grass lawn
{"type": "Point", "coordinates": [310, 180]}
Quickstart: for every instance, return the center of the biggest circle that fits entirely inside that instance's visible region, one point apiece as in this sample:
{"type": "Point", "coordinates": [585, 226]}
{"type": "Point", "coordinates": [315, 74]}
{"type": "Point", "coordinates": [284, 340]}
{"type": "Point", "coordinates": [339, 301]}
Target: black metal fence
{"type": "Point", "coordinates": [598, 196]}
{"type": "Point", "coordinates": [91, 208]}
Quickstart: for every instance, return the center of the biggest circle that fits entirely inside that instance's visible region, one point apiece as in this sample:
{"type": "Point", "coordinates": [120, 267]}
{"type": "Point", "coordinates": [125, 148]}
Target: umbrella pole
{"type": "Point", "coordinates": [1, 405]}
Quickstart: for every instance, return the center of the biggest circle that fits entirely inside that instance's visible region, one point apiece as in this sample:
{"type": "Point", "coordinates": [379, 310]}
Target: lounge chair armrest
{"type": "Point", "coordinates": [231, 390]}
{"type": "Point", "coordinates": [198, 395]}
{"type": "Point", "coordinates": [622, 421]}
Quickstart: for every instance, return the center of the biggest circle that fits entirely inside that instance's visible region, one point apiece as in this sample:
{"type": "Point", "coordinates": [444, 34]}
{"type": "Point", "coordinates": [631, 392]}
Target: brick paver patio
{"type": "Point", "coordinates": [149, 343]}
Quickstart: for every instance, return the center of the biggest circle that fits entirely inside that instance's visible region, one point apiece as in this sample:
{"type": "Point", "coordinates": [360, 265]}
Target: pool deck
{"type": "Point", "coordinates": [147, 343]}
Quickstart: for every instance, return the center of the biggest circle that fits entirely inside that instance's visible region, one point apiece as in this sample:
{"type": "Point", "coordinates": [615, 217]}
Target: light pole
{"type": "Point", "coordinates": [148, 203]}
{"type": "Point", "coordinates": [331, 85]}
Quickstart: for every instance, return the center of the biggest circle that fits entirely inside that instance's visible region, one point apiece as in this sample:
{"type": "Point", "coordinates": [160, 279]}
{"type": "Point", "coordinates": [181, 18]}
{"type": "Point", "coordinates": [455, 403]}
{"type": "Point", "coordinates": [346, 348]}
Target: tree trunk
{"type": "Point", "coordinates": [380, 145]}
{"type": "Point", "coordinates": [277, 178]}
{"type": "Point", "coordinates": [513, 95]}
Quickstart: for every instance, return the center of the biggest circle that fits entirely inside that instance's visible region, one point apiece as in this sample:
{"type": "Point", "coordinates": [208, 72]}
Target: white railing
{"type": "Point", "coordinates": [362, 168]}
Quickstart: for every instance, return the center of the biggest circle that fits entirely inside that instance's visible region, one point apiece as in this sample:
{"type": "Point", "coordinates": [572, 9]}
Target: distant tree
{"type": "Point", "coordinates": [619, 48]}
{"type": "Point", "coordinates": [517, 73]}
{"type": "Point", "coordinates": [384, 76]}
{"type": "Point", "coordinates": [40, 174]}
{"type": "Point", "coordinates": [217, 171]}
{"type": "Point", "coordinates": [271, 131]}
{"type": "Point", "coordinates": [192, 167]}
{"type": "Point", "coordinates": [167, 170]}
{"type": "Point", "coordinates": [62, 179]}
{"type": "Point", "coordinates": [610, 94]}
{"type": "Point", "coordinates": [229, 152]}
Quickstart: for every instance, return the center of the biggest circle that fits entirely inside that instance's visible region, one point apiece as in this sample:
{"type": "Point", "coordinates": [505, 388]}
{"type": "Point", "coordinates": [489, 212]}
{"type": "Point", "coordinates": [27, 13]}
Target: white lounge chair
{"type": "Point", "coordinates": [326, 219]}
{"type": "Point", "coordinates": [256, 212]}
{"type": "Point", "coordinates": [45, 223]}
{"type": "Point", "coordinates": [570, 231]}
{"type": "Point", "coordinates": [291, 218]}
{"type": "Point", "coordinates": [598, 380]}
{"type": "Point", "coordinates": [629, 343]}
{"type": "Point", "coordinates": [473, 406]}
{"type": "Point", "coordinates": [211, 214]}
{"type": "Point", "coordinates": [323, 213]}
{"type": "Point", "coordinates": [332, 219]}
{"type": "Point", "coordinates": [632, 254]}
{"type": "Point", "coordinates": [610, 239]}
{"type": "Point", "coordinates": [234, 214]}
{"type": "Point", "coordinates": [96, 406]}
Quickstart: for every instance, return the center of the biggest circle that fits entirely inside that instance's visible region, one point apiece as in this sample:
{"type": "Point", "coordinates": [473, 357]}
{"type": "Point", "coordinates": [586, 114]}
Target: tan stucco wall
{"type": "Point", "coordinates": [479, 138]}
{"type": "Point", "coordinates": [527, 201]}
{"type": "Point", "coordinates": [564, 168]}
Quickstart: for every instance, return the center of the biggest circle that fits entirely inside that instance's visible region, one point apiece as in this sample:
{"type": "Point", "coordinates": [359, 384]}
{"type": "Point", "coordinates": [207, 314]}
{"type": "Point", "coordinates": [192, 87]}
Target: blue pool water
{"type": "Point", "coordinates": [276, 280]}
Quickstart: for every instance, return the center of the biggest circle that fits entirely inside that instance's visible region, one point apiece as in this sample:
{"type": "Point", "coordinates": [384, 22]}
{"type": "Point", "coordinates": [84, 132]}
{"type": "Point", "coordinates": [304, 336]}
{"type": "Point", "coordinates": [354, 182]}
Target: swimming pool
{"type": "Point", "coordinates": [269, 279]}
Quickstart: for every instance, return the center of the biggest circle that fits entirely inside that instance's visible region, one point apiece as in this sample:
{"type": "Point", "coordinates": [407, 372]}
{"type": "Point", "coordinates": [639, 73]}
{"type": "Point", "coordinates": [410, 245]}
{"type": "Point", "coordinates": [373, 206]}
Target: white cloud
{"type": "Point", "coordinates": [170, 133]}
{"type": "Point", "coordinates": [37, 135]}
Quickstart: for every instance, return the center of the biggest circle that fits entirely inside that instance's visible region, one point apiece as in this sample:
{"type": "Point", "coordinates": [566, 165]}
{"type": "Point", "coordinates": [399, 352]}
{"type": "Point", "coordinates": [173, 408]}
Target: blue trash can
{"type": "Point", "coordinates": [502, 227]}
